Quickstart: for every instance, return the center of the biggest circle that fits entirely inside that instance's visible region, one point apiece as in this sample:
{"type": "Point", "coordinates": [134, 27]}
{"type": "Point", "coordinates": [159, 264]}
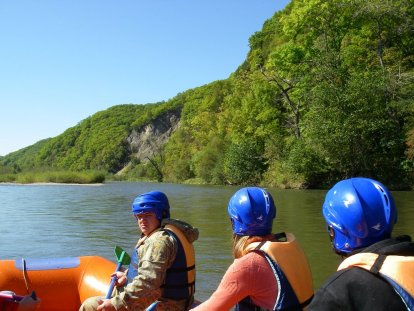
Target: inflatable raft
{"type": "Point", "coordinates": [59, 283]}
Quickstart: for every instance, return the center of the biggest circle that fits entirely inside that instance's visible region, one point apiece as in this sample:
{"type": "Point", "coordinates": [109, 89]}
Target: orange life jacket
{"type": "Point", "coordinates": [396, 270]}
{"type": "Point", "coordinates": [291, 269]}
{"type": "Point", "coordinates": [180, 278]}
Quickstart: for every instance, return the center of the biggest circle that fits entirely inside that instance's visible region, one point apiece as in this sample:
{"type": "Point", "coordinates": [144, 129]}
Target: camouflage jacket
{"type": "Point", "coordinates": [156, 253]}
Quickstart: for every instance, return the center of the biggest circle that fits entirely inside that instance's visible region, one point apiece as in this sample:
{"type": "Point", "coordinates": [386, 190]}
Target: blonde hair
{"type": "Point", "coordinates": [240, 243]}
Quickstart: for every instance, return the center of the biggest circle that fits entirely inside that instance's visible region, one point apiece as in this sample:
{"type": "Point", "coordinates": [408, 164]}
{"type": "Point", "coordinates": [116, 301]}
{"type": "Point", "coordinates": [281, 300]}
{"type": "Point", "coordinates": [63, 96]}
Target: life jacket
{"type": "Point", "coordinates": [180, 277]}
{"type": "Point", "coordinates": [291, 269]}
{"type": "Point", "coordinates": [398, 271]}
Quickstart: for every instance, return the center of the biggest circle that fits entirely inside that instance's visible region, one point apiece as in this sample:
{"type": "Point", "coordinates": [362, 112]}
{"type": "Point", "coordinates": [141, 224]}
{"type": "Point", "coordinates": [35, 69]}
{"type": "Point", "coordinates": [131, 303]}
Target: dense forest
{"type": "Point", "coordinates": [326, 92]}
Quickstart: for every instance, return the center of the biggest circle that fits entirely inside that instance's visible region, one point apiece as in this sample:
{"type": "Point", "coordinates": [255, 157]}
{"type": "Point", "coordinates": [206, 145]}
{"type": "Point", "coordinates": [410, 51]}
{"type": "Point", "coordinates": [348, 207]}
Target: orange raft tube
{"type": "Point", "coordinates": [60, 283]}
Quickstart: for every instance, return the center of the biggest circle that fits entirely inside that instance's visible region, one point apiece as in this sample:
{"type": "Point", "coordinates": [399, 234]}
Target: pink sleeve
{"type": "Point", "coordinates": [251, 276]}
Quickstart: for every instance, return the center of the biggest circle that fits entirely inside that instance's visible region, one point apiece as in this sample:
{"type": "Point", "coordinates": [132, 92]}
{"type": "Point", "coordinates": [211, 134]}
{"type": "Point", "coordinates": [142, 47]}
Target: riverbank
{"type": "Point", "coordinates": [55, 177]}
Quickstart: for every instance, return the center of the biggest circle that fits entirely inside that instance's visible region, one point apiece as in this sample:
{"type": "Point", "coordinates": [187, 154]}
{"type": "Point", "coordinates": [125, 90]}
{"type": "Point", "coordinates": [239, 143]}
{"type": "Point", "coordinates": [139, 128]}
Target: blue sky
{"type": "Point", "coordinates": [62, 61]}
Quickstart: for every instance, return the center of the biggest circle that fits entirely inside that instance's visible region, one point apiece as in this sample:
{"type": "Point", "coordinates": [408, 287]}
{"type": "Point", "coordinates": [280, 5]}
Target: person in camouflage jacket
{"type": "Point", "coordinates": [156, 255]}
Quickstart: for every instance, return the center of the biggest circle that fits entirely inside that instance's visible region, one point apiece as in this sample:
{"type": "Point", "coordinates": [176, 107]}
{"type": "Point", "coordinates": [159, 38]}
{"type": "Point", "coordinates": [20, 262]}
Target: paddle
{"type": "Point", "coordinates": [152, 306]}
{"type": "Point", "coordinates": [123, 259]}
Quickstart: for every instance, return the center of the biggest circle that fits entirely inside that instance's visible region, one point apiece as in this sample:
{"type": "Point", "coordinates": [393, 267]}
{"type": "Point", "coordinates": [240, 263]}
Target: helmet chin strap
{"type": "Point", "coordinates": [339, 253]}
{"type": "Point", "coordinates": [331, 232]}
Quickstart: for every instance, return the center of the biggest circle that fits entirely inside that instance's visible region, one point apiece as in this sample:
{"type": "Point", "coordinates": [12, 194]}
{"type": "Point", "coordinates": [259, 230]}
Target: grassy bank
{"type": "Point", "coordinates": [67, 177]}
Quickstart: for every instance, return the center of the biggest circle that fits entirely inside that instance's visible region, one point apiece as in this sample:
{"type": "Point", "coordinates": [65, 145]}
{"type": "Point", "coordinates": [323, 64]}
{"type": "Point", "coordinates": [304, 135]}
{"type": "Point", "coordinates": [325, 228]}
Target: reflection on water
{"type": "Point", "coordinates": [44, 221]}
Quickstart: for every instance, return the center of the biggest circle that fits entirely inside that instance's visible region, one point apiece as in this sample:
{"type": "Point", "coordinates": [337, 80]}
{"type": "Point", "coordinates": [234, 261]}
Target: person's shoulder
{"type": "Point", "coordinates": [160, 237]}
{"type": "Point", "coordinates": [251, 259]}
{"type": "Point", "coordinates": [252, 265]}
{"type": "Point", "coordinates": [352, 280]}
{"type": "Point", "coordinates": [160, 241]}
{"type": "Point", "coordinates": [158, 233]}
{"type": "Point", "coordinates": [339, 277]}
{"type": "Point", "coordinates": [255, 255]}
{"type": "Point", "coordinates": [330, 295]}
{"type": "Point", "coordinates": [346, 275]}
{"type": "Point", "coordinates": [185, 228]}
{"type": "Point", "coordinates": [350, 287]}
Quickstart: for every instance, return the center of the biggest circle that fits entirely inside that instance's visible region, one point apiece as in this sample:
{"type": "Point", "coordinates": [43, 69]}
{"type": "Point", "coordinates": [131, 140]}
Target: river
{"type": "Point", "coordinates": [53, 220]}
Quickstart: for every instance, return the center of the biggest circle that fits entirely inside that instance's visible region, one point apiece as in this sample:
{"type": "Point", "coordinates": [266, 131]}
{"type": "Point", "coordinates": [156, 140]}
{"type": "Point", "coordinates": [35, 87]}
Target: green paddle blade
{"type": "Point", "coordinates": [122, 256]}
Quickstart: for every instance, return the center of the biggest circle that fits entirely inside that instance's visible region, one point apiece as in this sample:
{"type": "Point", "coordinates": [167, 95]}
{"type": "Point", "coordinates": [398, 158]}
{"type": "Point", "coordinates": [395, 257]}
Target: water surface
{"type": "Point", "coordinates": [45, 221]}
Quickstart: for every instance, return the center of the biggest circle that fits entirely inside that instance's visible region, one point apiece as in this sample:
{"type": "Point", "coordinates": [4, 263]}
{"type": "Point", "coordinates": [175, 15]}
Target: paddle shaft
{"type": "Point", "coordinates": [152, 307]}
{"type": "Point", "coordinates": [123, 259]}
{"type": "Point", "coordinates": [113, 281]}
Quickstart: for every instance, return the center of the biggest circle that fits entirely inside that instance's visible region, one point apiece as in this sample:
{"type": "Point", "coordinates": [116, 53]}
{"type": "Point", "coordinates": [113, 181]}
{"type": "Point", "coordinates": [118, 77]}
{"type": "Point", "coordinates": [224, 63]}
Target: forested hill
{"type": "Point", "coordinates": [326, 92]}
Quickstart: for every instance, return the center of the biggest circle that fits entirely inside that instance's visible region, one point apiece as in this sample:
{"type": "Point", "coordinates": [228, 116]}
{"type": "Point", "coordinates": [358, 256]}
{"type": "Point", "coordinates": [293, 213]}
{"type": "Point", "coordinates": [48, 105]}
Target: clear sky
{"type": "Point", "coordinates": [64, 60]}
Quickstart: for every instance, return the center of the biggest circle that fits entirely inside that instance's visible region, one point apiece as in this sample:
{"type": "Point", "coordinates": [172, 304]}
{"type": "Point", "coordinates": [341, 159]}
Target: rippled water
{"type": "Point", "coordinates": [45, 221]}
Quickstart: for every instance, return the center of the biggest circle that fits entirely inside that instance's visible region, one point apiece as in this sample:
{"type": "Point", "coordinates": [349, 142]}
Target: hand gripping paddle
{"type": "Point", "coordinates": [123, 259]}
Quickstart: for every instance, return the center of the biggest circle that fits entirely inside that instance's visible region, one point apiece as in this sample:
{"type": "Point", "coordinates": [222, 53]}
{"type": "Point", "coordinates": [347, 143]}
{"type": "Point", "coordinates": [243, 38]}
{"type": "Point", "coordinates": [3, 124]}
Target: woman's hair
{"type": "Point", "coordinates": [240, 243]}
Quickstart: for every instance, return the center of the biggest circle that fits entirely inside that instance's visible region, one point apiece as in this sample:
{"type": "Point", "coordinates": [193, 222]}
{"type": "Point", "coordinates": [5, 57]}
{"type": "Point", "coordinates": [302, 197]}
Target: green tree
{"type": "Point", "coordinates": [244, 162]}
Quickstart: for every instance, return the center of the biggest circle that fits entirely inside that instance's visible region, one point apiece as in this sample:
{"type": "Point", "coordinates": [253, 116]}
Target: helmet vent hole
{"type": "Point", "coordinates": [387, 202]}
{"type": "Point", "coordinates": [266, 196]}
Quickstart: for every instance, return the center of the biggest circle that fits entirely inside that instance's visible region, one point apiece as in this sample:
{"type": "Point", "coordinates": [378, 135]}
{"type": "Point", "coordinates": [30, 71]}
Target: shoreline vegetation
{"type": "Point", "coordinates": [75, 178]}
{"type": "Point", "coordinates": [67, 177]}
{"type": "Point", "coordinates": [71, 177]}
{"type": "Point", "coordinates": [59, 177]}
{"type": "Point", "coordinates": [92, 178]}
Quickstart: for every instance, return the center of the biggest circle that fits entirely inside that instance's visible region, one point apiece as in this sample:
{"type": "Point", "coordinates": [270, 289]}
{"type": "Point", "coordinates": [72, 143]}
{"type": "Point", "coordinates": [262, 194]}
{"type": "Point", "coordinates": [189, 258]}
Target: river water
{"type": "Point", "coordinates": [53, 220]}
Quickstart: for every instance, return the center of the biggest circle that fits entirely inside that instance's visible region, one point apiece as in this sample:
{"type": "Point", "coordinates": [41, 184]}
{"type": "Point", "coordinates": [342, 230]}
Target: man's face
{"type": "Point", "coordinates": [147, 222]}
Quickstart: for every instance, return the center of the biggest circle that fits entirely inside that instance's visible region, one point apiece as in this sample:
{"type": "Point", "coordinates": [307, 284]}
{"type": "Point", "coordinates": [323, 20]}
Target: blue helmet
{"type": "Point", "coordinates": [153, 201]}
{"type": "Point", "coordinates": [252, 211]}
{"type": "Point", "coordinates": [359, 212]}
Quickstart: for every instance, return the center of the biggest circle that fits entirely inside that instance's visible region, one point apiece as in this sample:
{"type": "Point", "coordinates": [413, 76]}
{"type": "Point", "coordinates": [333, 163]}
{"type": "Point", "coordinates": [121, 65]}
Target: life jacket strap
{"type": "Point", "coordinates": [376, 267]}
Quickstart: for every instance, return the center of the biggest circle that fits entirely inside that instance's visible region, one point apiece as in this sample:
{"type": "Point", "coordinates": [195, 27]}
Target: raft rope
{"type": "Point", "coordinates": [24, 274]}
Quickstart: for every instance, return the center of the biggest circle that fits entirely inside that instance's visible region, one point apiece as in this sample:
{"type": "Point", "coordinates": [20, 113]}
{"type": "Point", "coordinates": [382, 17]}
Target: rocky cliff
{"type": "Point", "coordinates": [146, 141]}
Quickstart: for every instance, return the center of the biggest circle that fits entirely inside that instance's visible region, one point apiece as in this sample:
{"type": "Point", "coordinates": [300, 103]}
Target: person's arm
{"type": "Point", "coordinates": [156, 256]}
{"type": "Point", "coordinates": [246, 276]}
{"type": "Point", "coordinates": [228, 292]}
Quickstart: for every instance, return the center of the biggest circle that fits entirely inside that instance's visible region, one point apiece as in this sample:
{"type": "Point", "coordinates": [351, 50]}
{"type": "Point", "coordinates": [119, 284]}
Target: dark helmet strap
{"type": "Point", "coordinates": [376, 267]}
